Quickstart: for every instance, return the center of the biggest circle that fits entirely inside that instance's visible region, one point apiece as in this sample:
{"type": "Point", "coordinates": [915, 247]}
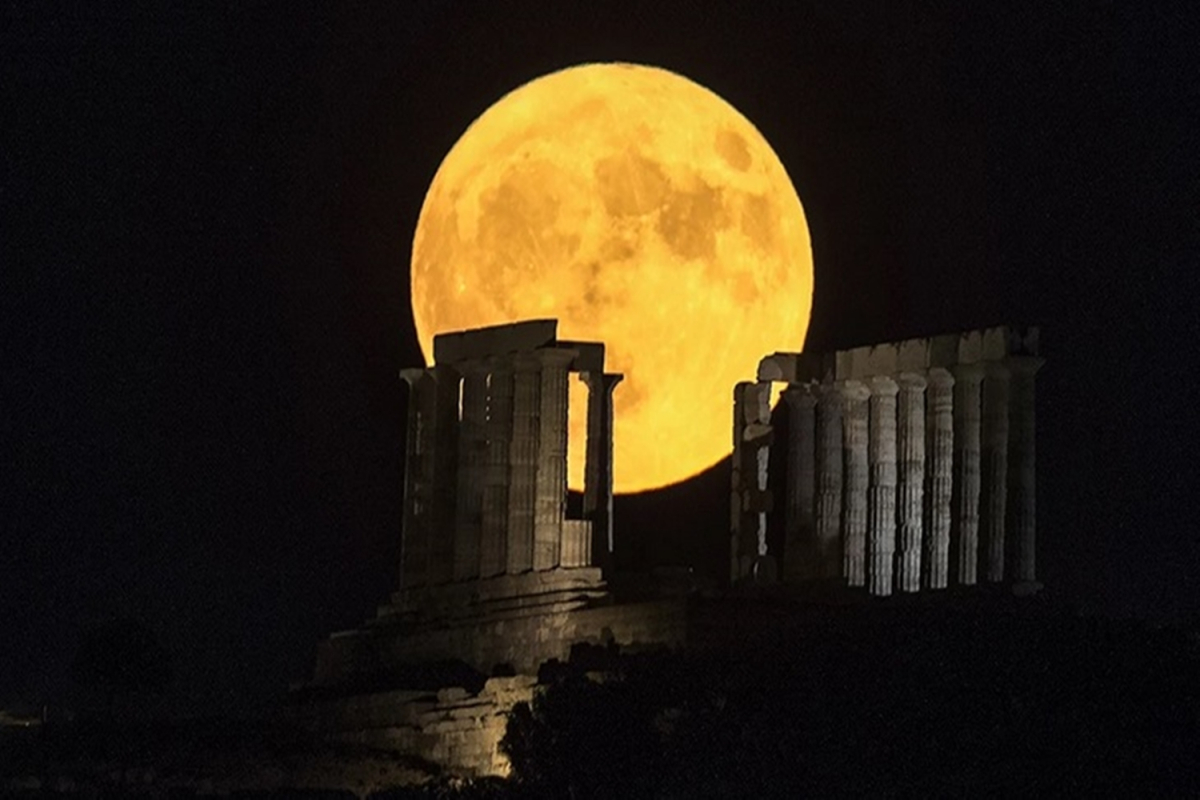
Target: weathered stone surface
{"type": "Point", "coordinates": [472, 466]}
{"type": "Point", "coordinates": [1022, 457]}
{"type": "Point", "coordinates": [939, 430]}
{"type": "Point", "coordinates": [800, 554]}
{"type": "Point", "coordinates": [881, 496]}
{"type": "Point", "coordinates": [523, 461]}
{"type": "Point", "coordinates": [493, 554]}
{"type": "Point", "coordinates": [964, 529]}
{"type": "Point", "coordinates": [856, 481]}
{"type": "Point", "coordinates": [829, 481]}
{"type": "Point", "coordinates": [994, 468]}
{"type": "Point", "coordinates": [751, 501]}
{"type": "Point", "coordinates": [417, 528]}
{"type": "Point", "coordinates": [910, 446]}
{"type": "Point", "coordinates": [551, 500]}
{"type": "Point", "coordinates": [598, 474]}
{"type": "Point", "coordinates": [445, 473]}
{"type": "Point", "coordinates": [494, 340]}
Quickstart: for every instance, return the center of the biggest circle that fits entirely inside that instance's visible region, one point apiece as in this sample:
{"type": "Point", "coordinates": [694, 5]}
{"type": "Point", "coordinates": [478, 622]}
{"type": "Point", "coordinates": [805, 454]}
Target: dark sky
{"type": "Point", "coordinates": [207, 218]}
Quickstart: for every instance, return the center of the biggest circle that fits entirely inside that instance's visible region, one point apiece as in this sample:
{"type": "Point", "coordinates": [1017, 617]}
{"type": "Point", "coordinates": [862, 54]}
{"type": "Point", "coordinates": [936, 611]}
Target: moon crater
{"type": "Point", "coordinates": [643, 211]}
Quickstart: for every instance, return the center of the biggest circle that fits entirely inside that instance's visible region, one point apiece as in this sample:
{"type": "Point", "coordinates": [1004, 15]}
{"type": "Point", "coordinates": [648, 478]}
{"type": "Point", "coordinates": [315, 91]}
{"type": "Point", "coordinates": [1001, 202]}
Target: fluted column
{"type": "Point", "coordinates": [445, 473]}
{"type": "Point", "coordinates": [881, 496]}
{"type": "Point", "coordinates": [856, 481]}
{"type": "Point", "coordinates": [472, 465]}
{"type": "Point", "coordinates": [939, 450]}
{"type": "Point", "coordinates": [493, 545]}
{"type": "Point", "coordinates": [598, 470]}
{"type": "Point", "coordinates": [829, 482]}
{"type": "Point", "coordinates": [418, 479]}
{"type": "Point", "coordinates": [994, 467]}
{"type": "Point", "coordinates": [523, 461]}
{"type": "Point", "coordinates": [799, 549]}
{"type": "Point", "coordinates": [964, 529]}
{"type": "Point", "coordinates": [551, 501]}
{"type": "Point", "coordinates": [1022, 477]}
{"type": "Point", "coordinates": [910, 446]}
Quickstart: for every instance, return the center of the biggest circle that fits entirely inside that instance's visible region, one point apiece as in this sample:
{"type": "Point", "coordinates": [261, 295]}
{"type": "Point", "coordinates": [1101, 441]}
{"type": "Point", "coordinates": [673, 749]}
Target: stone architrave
{"type": "Point", "coordinates": [598, 469]}
{"type": "Point", "coordinates": [881, 495]}
{"type": "Point", "coordinates": [799, 542]}
{"type": "Point", "coordinates": [418, 479]}
{"type": "Point", "coordinates": [910, 446]}
{"type": "Point", "coordinates": [856, 481]}
{"type": "Point", "coordinates": [523, 461]}
{"type": "Point", "coordinates": [445, 477]}
{"type": "Point", "coordinates": [472, 465]}
{"type": "Point", "coordinates": [493, 545]}
{"type": "Point", "coordinates": [1022, 476]}
{"type": "Point", "coordinates": [939, 477]}
{"type": "Point", "coordinates": [829, 482]}
{"type": "Point", "coordinates": [964, 530]}
{"type": "Point", "coordinates": [994, 468]}
{"type": "Point", "coordinates": [550, 504]}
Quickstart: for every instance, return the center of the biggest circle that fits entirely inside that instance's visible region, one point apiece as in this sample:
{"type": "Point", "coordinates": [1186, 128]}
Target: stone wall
{"type": "Point", "coordinates": [519, 642]}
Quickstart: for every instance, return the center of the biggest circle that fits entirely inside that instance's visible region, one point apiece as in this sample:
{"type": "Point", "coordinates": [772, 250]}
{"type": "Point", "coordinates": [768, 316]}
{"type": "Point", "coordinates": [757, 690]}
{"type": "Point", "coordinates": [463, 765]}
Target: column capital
{"type": "Point", "coordinates": [472, 366]}
{"type": "Point", "coordinates": [883, 386]}
{"type": "Point", "coordinates": [799, 395]}
{"type": "Point", "coordinates": [968, 373]}
{"type": "Point", "coordinates": [940, 377]}
{"type": "Point", "coordinates": [525, 361]}
{"type": "Point", "coordinates": [911, 381]}
{"type": "Point", "coordinates": [411, 375]}
{"type": "Point", "coordinates": [555, 356]}
{"type": "Point", "coordinates": [855, 390]}
{"type": "Point", "coordinates": [1024, 365]}
{"type": "Point", "coordinates": [995, 369]}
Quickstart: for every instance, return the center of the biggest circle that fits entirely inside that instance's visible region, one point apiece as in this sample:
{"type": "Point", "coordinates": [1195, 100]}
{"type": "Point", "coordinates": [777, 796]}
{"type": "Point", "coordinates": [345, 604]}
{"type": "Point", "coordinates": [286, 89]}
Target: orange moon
{"type": "Point", "coordinates": [642, 211]}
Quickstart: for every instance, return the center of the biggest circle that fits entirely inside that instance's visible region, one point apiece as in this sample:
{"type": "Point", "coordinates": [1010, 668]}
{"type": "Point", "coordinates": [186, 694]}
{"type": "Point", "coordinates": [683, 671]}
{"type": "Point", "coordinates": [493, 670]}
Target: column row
{"type": "Point", "coordinates": [486, 467]}
{"type": "Point", "coordinates": [915, 480]}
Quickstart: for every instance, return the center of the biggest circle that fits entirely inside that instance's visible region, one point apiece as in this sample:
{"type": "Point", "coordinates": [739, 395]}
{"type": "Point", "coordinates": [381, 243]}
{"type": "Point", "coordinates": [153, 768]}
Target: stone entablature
{"type": "Point", "coordinates": [910, 465]}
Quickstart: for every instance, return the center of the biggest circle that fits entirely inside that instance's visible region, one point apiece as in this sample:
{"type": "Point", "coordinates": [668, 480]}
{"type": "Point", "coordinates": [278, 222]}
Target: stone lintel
{"type": "Point", "coordinates": [494, 340]}
{"type": "Point", "coordinates": [909, 355]}
{"type": "Point", "coordinates": [589, 356]}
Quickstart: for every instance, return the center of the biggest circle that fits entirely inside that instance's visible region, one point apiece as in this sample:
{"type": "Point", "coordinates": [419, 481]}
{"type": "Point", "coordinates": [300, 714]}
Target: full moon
{"type": "Point", "coordinates": [642, 211]}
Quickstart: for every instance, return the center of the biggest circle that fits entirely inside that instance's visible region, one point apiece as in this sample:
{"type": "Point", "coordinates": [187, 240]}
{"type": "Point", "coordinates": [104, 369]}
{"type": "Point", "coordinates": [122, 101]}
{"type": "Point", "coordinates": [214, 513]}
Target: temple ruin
{"type": "Point", "coordinates": [910, 465]}
{"type": "Point", "coordinates": [909, 469]}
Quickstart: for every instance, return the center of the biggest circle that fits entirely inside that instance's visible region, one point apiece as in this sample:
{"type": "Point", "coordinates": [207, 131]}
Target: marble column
{"type": "Point", "coordinates": [855, 482]}
{"type": "Point", "coordinates": [829, 482]}
{"type": "Point", "coordinates": [751, 501]}
{"type": "Point", "coordinates": [445, 468]}
{"type": "Point", "coordinates": [910, 446]}
{"type": "Point", "coordinates": [523, 461]}
{"type": "Point", "coordinates": [964, 527]}
{"type": "Point", "coordinates": [551, 502]}
{"type": "Point", "coordinates": [994, 469]}
{"type": "Point", "coordinates": [598, 468]}
{"type": "Point", "coordinates": [799, 543]}
{"type": "Point", "coordinates": [493, 544]}
{"type": "Point", "coordinates": [881, 496]}
{"type": "Point", "coordinates": [939, 449]}
{"type": "Point", "coordinates": [472, 466]}
{"type": "Point", "coordinates": [418, 479]}
{"type": "Point", "coordinates": [1022, 477]}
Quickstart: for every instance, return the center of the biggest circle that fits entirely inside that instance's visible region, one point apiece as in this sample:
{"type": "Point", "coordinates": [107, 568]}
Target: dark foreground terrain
{"type": "Point", "coordinates": [786, 699]}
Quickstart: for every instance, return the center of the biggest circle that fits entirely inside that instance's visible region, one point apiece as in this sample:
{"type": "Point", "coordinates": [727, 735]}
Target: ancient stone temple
{"type": "Point", "coordinates": [910, 465]}
{"type": "Point", "coordinates": [494, 578]}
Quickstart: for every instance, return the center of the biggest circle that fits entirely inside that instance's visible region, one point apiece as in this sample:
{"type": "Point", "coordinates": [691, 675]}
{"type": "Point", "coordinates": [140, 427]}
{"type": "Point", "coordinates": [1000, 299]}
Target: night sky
{"type": "Point", "coordinates": [207, 219]}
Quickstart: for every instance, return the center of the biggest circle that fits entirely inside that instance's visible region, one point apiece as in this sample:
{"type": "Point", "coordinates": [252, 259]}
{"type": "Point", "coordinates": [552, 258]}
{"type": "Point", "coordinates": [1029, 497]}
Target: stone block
{"type": "Point", "coordinates": [495, 340]}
